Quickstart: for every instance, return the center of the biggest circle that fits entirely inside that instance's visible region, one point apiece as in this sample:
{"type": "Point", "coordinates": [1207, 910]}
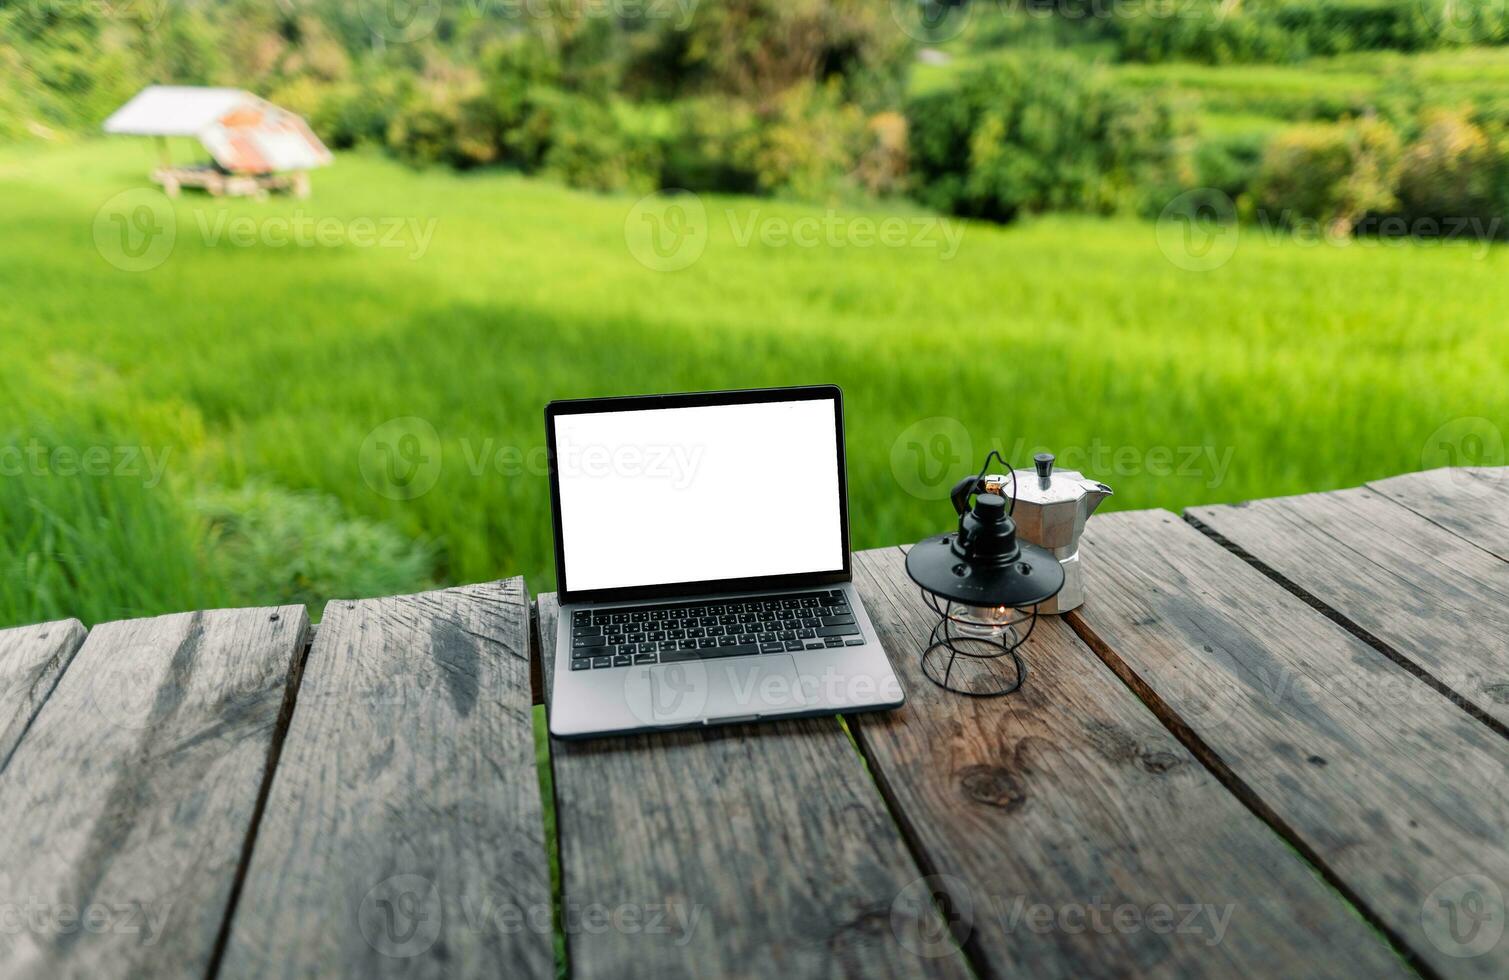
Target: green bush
{"type": "Point", "coordinates": [453, 122]}
{"type": "Point", "coordinates": [809, 144]}
{"type": "Point", "coordinates": [520, 72]}
{"type": "Point", "coordinates": [587, 147]}
{"type": "Point", "coordinates": [425, 128]}
{"type": "Point", "coordinates": [269, 546]}
{"type": "Point", "coordinates": [516, 114]}
{"type": "Point", "coordinates": [1206, 33]}
{"type": "Point", "coordinates": [1036, 133]}
{"type": "Point", "coordinates": [1291, 30]}
{"type": "Point", "coordinates": [1454, 171]}
{"type": "Point", "coordinates": [359, 113]}
{"type": "Point", "coordinates": [881, 168]}
{"type": "Point", "coordinates": [712, 146]}
{"type": "Point", "coordinates": [1229, 164]}
{"type": "Point", "coordinates": [1332, 173]}
{"type": "Point", "coordinates": [757, 50]}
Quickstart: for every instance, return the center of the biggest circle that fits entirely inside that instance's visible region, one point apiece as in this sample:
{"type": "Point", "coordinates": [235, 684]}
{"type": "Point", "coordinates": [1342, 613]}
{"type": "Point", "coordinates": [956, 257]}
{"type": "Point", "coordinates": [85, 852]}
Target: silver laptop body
{"type": "Point", "coordinates": [703, 563]}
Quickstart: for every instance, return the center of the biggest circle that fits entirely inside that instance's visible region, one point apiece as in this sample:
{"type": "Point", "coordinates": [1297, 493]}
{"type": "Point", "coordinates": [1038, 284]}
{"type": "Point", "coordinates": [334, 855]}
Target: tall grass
{"type": "Point", "coordinates": [1302, 366]}
{"type": "Point", "coordinates": [90, 543]}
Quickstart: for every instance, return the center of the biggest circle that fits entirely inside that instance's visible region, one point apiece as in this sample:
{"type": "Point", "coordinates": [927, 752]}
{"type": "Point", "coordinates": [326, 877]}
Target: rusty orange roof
{"type": "Point", "coordinates": [244, 133]}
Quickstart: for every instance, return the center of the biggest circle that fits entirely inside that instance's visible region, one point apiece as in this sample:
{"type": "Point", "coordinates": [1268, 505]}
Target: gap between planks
{"type": "Point", "coordinates": [1351, 626]}
{"type": "Point", "coordinates": [275, 753]}
{"type": "Point", "coordinates": [1238, 788]}
{"type": "Point", "coordinates": [858, 740]}
{"type": "Point", "coordinates": [973, 956]}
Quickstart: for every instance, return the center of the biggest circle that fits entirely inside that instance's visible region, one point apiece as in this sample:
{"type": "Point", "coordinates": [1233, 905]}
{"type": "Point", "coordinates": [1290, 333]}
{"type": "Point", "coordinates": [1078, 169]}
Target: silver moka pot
{"type": "Point", "coordinates": [1051, 511]}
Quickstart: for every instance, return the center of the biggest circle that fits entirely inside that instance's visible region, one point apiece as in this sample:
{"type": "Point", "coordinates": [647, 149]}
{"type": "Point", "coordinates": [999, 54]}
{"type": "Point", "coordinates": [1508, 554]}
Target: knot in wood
{"type": "Point", "coordinates": [992, 786]}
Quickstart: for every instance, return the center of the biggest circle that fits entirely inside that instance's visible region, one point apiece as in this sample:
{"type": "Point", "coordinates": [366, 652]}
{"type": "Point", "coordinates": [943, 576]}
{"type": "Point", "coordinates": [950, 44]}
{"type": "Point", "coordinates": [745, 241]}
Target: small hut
{"type": "Point", "coordinates": [254, 146]}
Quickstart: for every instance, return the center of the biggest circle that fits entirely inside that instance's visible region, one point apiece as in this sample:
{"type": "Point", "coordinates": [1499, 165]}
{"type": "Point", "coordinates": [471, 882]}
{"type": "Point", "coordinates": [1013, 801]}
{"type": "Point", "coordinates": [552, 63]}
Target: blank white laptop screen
{"type": "Point", "coordinates": [671, 495]}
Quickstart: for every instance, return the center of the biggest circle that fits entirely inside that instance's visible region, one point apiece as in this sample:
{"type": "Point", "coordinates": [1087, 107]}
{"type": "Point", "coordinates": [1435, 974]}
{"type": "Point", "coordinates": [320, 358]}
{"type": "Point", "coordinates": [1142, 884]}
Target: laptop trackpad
{"type": "Point", "coordinates": [748, 686]}
{"type": "Point", "coordinates": [690, 691]}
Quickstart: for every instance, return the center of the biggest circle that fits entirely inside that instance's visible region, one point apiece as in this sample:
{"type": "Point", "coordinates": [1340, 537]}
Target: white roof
{"type": "Point", "coordinates": [243, 133]}
{"type": "Point", "coordinates": [175, 110]}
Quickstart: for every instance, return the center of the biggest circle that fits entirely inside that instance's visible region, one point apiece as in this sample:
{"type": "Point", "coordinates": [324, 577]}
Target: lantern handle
{"type": "Point", "coordinates": [973, 484]}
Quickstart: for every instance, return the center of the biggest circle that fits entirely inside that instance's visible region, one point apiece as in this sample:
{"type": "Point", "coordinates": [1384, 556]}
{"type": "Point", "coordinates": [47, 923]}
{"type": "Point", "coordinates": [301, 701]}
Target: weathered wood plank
{"type": "Point", "coordinates": [759, 850]}
{"type": "Point", "coordinates": [1375, 775]}
{"type": "Point", "coordinates": [1430, 596]}
{"type": "Point", "coordinates": [32, 658]}
{"type": "Point", "coordinates": [1472, 502]}
{"type": "Point", "coordinates": [128, 804]}
{"type": "Point", "coordinates": [403, 833]}
{"type": "Point", "coordinates": [1049, 810]}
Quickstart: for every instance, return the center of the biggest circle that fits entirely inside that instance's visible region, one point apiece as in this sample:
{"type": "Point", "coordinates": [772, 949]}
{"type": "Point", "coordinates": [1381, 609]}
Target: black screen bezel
{"type": "Point", "coordinates": [701, 399]}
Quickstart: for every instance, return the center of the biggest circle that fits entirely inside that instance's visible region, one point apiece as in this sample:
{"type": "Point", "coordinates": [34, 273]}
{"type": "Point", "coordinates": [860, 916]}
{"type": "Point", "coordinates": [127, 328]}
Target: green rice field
{"type": "Point", "coordinates": [218, 428]}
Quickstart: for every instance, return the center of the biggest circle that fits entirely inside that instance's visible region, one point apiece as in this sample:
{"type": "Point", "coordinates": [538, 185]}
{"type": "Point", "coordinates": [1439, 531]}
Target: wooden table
{"type": "Point", "coordinates": [1272, 743]}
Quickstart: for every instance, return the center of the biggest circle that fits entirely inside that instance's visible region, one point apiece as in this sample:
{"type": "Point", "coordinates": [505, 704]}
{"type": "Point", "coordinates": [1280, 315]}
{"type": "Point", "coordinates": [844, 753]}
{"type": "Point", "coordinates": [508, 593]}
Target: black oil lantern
{"type": "Point", "coordinates": [985, 586]}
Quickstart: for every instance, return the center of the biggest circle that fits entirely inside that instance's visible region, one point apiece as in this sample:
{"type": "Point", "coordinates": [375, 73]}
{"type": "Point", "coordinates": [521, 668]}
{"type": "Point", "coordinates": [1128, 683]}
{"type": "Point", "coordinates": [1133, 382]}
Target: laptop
{"type": "Point", "coordinates": [702, 563]}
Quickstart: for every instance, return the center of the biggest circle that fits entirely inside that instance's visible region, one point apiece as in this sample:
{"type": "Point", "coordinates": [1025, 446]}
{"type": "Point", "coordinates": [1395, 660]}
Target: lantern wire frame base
{"type": "Point", "coordinates": [954, 636]}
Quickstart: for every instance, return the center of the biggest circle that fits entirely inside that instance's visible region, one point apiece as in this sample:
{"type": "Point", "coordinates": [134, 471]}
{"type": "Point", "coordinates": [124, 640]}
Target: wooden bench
{"type": "Point", "coordinates": [1272, 743]}
{"type": "Point", "coordinates": [221, 183]}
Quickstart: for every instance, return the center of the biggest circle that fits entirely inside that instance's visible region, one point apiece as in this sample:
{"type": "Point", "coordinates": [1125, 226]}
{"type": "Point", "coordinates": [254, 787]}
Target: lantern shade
{"type": "Point", "coordinates": [935, 565]}
{"type": "Point", "coordinates": [985, 586]}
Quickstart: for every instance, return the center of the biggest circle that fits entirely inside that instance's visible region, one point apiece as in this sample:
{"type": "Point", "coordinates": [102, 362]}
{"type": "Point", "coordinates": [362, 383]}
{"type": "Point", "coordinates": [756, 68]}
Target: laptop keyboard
{"type": "Point", "coordinates": [630, 636]}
